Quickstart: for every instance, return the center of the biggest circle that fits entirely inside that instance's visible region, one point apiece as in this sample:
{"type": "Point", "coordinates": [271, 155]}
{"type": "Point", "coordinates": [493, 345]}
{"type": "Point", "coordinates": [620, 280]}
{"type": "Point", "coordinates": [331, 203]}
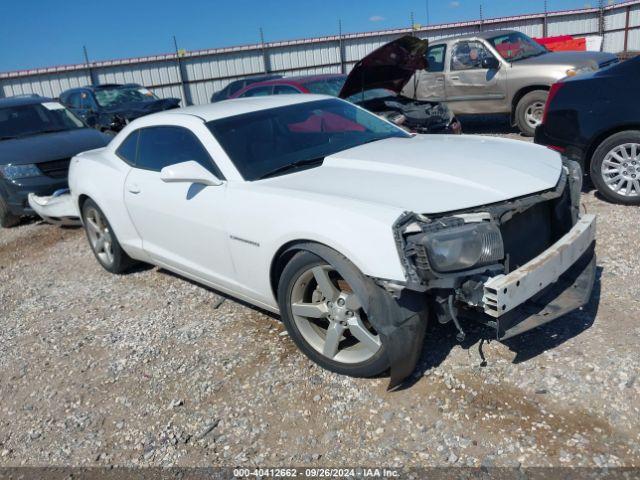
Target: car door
{"type": "Point", "coordinates": [72, 102]}
{"type": "Point", "coordinates": [182, 225]}
{"type": "Point", "coordinates": [88, 108]}
{"type": "Point", "coordinates": [470, 87]}
{"type": "Point", "coordinates": [428, 85]}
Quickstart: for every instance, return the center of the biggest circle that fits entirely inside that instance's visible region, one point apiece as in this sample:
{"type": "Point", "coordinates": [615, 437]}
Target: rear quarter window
{"type": "Point", "coordinates": [128, 149]}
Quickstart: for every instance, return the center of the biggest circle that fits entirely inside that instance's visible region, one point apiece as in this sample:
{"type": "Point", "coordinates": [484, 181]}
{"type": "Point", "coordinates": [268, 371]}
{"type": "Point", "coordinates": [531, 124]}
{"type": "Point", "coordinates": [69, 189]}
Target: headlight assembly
{"type": "Point", "coordinates": [14, 172]}
{"type": "Point", "coordinates": [463, 247]}
{"type": "Point", "coordinates": [572, 72]}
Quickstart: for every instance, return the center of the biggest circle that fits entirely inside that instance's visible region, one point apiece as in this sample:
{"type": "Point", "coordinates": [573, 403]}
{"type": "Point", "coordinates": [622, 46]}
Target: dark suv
{"type": "Point", "coordinates": [38, 137]}
{"type": "Point", "coordinates": [110, 107]}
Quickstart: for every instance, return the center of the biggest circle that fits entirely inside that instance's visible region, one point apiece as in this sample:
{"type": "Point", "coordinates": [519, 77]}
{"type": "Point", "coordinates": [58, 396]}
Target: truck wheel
{"type": "Point", "coordinates": [7, 219]}
{"type": "Point", "coordinates": [326, 319]}
{"type": "Point", "coordinates": [530, 110]}
{"type": "Point", "coordinates": [615, 168]}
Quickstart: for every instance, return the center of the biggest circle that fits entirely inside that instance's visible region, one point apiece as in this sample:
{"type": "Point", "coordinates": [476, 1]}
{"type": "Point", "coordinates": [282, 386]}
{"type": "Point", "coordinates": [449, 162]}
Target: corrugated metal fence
{"type": "Point", "coordinates": [195, 75]}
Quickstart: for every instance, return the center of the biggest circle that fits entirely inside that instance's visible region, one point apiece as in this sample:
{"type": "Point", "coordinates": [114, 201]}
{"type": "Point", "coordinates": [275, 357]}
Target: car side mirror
{"type": "Point", "coordinates": [491, 63]}
{"type": "Point", "coordinates": [189, 172]}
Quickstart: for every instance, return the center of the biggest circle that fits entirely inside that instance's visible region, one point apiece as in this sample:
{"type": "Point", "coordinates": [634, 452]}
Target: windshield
{"type": "Point", "coordinates": [265, 141]}
{"type": "Point", "coordinates": [516, 46]}
{"type": "Point", "coordinates": [25, 120]}
{"type": "Point", "coordinates": [327, 86]}
{"type": "Point", "coordinates": [110, 97]}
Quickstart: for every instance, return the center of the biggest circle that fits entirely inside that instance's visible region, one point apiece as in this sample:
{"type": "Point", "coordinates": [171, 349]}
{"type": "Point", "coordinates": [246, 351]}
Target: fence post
{"type": "Point", "coordinates": [601, 25]}
{"type": "Point", "coordinates": [545, 20]}
{"type": "Point", "coordinates": [182, 75]}
{"type": "Point", "coordinates": [626, 29]}
{"type": "Point", "coordinates": [341, 48]}
{"type": "Point", "coordinates": [92, 79]}
{"type": "Point", "coordinates": [265, 54]}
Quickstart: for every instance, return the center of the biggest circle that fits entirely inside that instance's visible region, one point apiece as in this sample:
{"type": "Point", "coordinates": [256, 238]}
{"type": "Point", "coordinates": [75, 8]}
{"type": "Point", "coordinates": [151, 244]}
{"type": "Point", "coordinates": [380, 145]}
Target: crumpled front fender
{"type": "Point", "coordinates": [400, 322]}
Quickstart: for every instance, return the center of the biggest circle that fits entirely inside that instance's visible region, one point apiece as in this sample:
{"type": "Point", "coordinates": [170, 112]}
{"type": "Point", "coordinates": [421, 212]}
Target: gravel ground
{"type": "Point", "coordinates": [150, 369]}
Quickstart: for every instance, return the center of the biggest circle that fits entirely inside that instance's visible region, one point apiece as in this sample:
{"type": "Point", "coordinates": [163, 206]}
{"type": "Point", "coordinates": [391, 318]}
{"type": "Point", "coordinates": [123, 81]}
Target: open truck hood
{"type": "Point", "coordinates": [431, 174]}
{"type": "Point", "coordinates": [390, 66]}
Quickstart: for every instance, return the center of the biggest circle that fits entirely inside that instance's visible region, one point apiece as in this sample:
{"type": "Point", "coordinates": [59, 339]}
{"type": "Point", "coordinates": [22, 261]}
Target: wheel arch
{"type": "Point", "coordinates": [521, 93]}
{"type": "Point", "coordinates": [82, 198]}
{"type": "Point", "coordinates": [282, 257]}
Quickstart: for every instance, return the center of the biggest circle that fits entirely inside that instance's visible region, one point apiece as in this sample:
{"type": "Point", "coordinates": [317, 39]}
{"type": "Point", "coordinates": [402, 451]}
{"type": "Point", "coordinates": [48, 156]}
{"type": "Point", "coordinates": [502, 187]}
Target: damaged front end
{"type": "Point", "coordinates": [57, 209]}
{"type": "Point", "coordinates": [512, 266]}
{"type": "Point", "coordinates": [414, 115]}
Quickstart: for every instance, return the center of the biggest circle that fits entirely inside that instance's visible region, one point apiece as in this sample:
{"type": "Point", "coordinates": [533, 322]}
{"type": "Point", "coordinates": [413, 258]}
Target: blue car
{"type": "Point", "coordinates": [38, 137]}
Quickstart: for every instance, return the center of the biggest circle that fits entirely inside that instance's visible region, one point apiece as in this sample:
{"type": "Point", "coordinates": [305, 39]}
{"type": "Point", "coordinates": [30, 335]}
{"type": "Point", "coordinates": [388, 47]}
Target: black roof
{"type": "Point", "coordinates": [23, 100]}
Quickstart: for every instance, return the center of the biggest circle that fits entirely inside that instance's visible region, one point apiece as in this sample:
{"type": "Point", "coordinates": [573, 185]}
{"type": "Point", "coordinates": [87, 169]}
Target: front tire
{"type": "Point", "coordinates": [103, 240]}
{"type": "Point", "coordinates": [7, 219]}
{"type": "Point", "coordinates": [530, 110]}
{"type": "Point", "coordinates": [326, 320]}
{"type": "Point", "coordinates": [615, 168]}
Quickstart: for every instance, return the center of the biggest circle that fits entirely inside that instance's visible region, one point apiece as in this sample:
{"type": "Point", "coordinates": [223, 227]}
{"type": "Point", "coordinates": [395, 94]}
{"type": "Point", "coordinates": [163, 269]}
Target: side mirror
{"type": "Point", "coordinates": [189, 172]}
{"type": "Point", "coordinates": [491, 63]}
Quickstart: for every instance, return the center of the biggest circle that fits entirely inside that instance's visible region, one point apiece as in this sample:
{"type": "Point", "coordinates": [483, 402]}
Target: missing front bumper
{"type": "Point", "coordinates": [504, 293]}
{"type": "Point", "coordinates": [572, 291]}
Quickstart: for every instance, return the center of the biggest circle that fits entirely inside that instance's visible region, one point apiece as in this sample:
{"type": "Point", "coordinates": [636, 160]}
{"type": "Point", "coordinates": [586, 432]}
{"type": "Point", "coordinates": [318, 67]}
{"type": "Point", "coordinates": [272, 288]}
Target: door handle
{"type": "Point", "coordinates": [133, 189]}
{"type": "Point", "coordinates": [455, 78]}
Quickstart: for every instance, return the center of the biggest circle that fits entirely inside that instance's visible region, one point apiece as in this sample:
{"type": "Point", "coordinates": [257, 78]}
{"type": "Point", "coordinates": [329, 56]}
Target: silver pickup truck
{"type": "Point", "coordinates": [498, 72]}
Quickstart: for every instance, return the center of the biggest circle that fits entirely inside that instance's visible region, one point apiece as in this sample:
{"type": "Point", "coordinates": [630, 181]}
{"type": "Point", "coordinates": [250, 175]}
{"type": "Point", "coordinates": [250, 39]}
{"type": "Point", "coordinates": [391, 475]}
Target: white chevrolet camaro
{"type": "Point", "coordinates": [355, 231]}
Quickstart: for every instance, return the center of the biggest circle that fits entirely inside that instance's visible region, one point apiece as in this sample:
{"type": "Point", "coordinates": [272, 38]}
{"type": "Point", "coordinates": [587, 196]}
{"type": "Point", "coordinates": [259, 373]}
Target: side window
{"type": "Point", "coordinates": [285, 90]}
{"type": "Point", "coordinates": [258, 92]}
{"type": "Point", "coordinates": [127, 149]}
{"type": "Point", "coordinates": [159, 147]}
{"type": "Point", "coordinates": [86, 101]}
{"type": "Point", "coordinates": [235, 87]}
{"type": "Point", "coordinates": [435, 57]}
{"type": "Point", "coordinates": [72, 100]}
{"type": "Point", "coordinates": [468, 55]}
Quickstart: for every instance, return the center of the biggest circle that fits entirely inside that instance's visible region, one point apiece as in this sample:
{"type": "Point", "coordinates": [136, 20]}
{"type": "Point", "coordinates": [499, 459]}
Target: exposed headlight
{"type": "Point", "coordinates": [464, 247]}
{"type": "Point", "coordinates": [14, 172]}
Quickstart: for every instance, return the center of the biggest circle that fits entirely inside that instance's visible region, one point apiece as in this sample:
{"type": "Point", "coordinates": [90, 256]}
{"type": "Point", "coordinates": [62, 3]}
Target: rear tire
{"type": "Point", "coordinates": [7, 219]}
{"type": "Point", "coordinates": [615, 168]}
{"type": "Point", "coordinates": [103, 240]}
{"type": "Point", "coordinates": [326, 320]}
{"type": "Point", "coordinates": [530, 110]}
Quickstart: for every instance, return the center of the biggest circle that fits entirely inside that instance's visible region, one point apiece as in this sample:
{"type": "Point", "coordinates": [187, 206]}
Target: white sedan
{"type": "Point", "coordinates": [353, 230]}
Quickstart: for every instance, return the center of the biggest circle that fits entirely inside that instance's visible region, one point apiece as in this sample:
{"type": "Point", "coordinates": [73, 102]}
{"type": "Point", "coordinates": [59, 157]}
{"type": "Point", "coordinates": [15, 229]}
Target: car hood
{"type": "Point", "coordinates": [390, 66]}
{"type": "Point", "coordinates": [50, 146]}
{"type": "Point", "coordinates": [133, 110]}
{"type": "Point", "coordinates": [431, 174]}
{"type": "Point", "coordinates": [575, 59]}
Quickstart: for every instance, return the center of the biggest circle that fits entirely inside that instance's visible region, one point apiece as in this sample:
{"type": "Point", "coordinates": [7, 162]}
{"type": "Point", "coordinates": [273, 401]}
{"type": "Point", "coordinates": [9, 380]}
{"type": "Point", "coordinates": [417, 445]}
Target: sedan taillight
{"type": "Point", "coordinates": [555, 88]}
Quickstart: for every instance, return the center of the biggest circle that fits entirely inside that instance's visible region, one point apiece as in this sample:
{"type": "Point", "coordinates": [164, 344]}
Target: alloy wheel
{"type": "Point", "coordinates": [330, 317]}
{"type": "Point", "coordinates": [99, 236]}
{"type": "Point", "coordinates": [621, 170]}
